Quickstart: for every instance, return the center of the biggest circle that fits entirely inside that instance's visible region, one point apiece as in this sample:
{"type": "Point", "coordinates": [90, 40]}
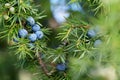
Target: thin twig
{"type": "Point", "coordinates": [43, 66]}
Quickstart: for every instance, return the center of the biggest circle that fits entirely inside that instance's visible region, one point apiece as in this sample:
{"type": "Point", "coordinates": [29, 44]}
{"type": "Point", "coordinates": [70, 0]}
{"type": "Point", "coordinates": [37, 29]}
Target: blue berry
{"type": "Point", "coordinates": [35, 27]}
{"type": "Point", "coordinates": [39, 34]}
{"type": "Point", "coordinates": [32, 37]}
{"type": "Point", "coordinates": [61, 67]}
{"type": "Point", "coordinates": [31, 45]}
{"type": "Point", "coordinates": [30, 21]}
{"type": "Point", "coordinates": [97, 43]}
{"type": "Point", "coordinates": [22, 33]}
{"type": "Point", "coordinates": [91, 33]}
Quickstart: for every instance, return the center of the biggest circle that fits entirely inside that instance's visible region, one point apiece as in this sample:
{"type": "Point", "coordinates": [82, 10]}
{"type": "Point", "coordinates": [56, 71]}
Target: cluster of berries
{"type": "Point", "coordinates": [11, 9]}
{"type": "Point", "coordinates": [37, 33]}
{"type": "Point", "coordinates": [93, 33]}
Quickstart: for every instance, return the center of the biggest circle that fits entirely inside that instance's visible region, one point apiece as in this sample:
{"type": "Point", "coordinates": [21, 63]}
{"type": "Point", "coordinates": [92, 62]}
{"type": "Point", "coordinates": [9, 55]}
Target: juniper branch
{"type": "Point", "coordinates": [44, 68]}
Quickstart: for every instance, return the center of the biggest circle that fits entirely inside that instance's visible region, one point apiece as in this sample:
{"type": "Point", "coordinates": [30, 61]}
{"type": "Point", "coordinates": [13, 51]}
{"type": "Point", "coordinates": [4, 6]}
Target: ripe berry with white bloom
{"type": "Point", "coordinates": [35, 27]}
{"type": "Point", "coordinates": [33, 37]}
{"type": "Point", "coordinates": [91, 33]}
{"type": "Point", "coordinates": [39, 34]}
{"type": "Point", "coordinates": [22, 33]}
{"type": "Point", "coordinates": [61, 67]}
{"type": "Point", "coordinates": [30, 21]}
{"type": "Point", "coordinates": [97, 43]}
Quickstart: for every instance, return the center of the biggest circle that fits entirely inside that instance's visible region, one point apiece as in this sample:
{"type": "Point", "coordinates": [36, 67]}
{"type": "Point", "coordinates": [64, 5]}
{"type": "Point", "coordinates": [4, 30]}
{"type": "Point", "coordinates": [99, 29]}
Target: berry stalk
{"type": "Point", "coordinates": [43, 66]}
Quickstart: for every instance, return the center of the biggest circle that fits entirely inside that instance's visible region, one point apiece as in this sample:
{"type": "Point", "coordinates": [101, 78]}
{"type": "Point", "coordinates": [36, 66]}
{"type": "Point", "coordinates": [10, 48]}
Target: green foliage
{"type": "Point", "coordinates": [91, 7]}
{"type": "Point", "coordinates": [16, 21]}
{"type": "Point", "coordinates": [75, 48]}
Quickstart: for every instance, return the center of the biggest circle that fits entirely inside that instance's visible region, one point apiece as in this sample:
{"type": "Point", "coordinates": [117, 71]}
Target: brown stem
{"type": "Point", "coordinates": [43, 66]}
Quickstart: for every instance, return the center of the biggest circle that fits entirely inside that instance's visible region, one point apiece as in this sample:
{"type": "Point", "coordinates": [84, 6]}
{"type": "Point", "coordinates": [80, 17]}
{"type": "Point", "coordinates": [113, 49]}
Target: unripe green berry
{"type": "Point", "coordinates": [7, 5]}
{"type": "Point", "coordinates": [12, 10]}
{"type": "Point", "coordinates": [6, 17]}
{"type": "Point", "coordinates": [21, 1]}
